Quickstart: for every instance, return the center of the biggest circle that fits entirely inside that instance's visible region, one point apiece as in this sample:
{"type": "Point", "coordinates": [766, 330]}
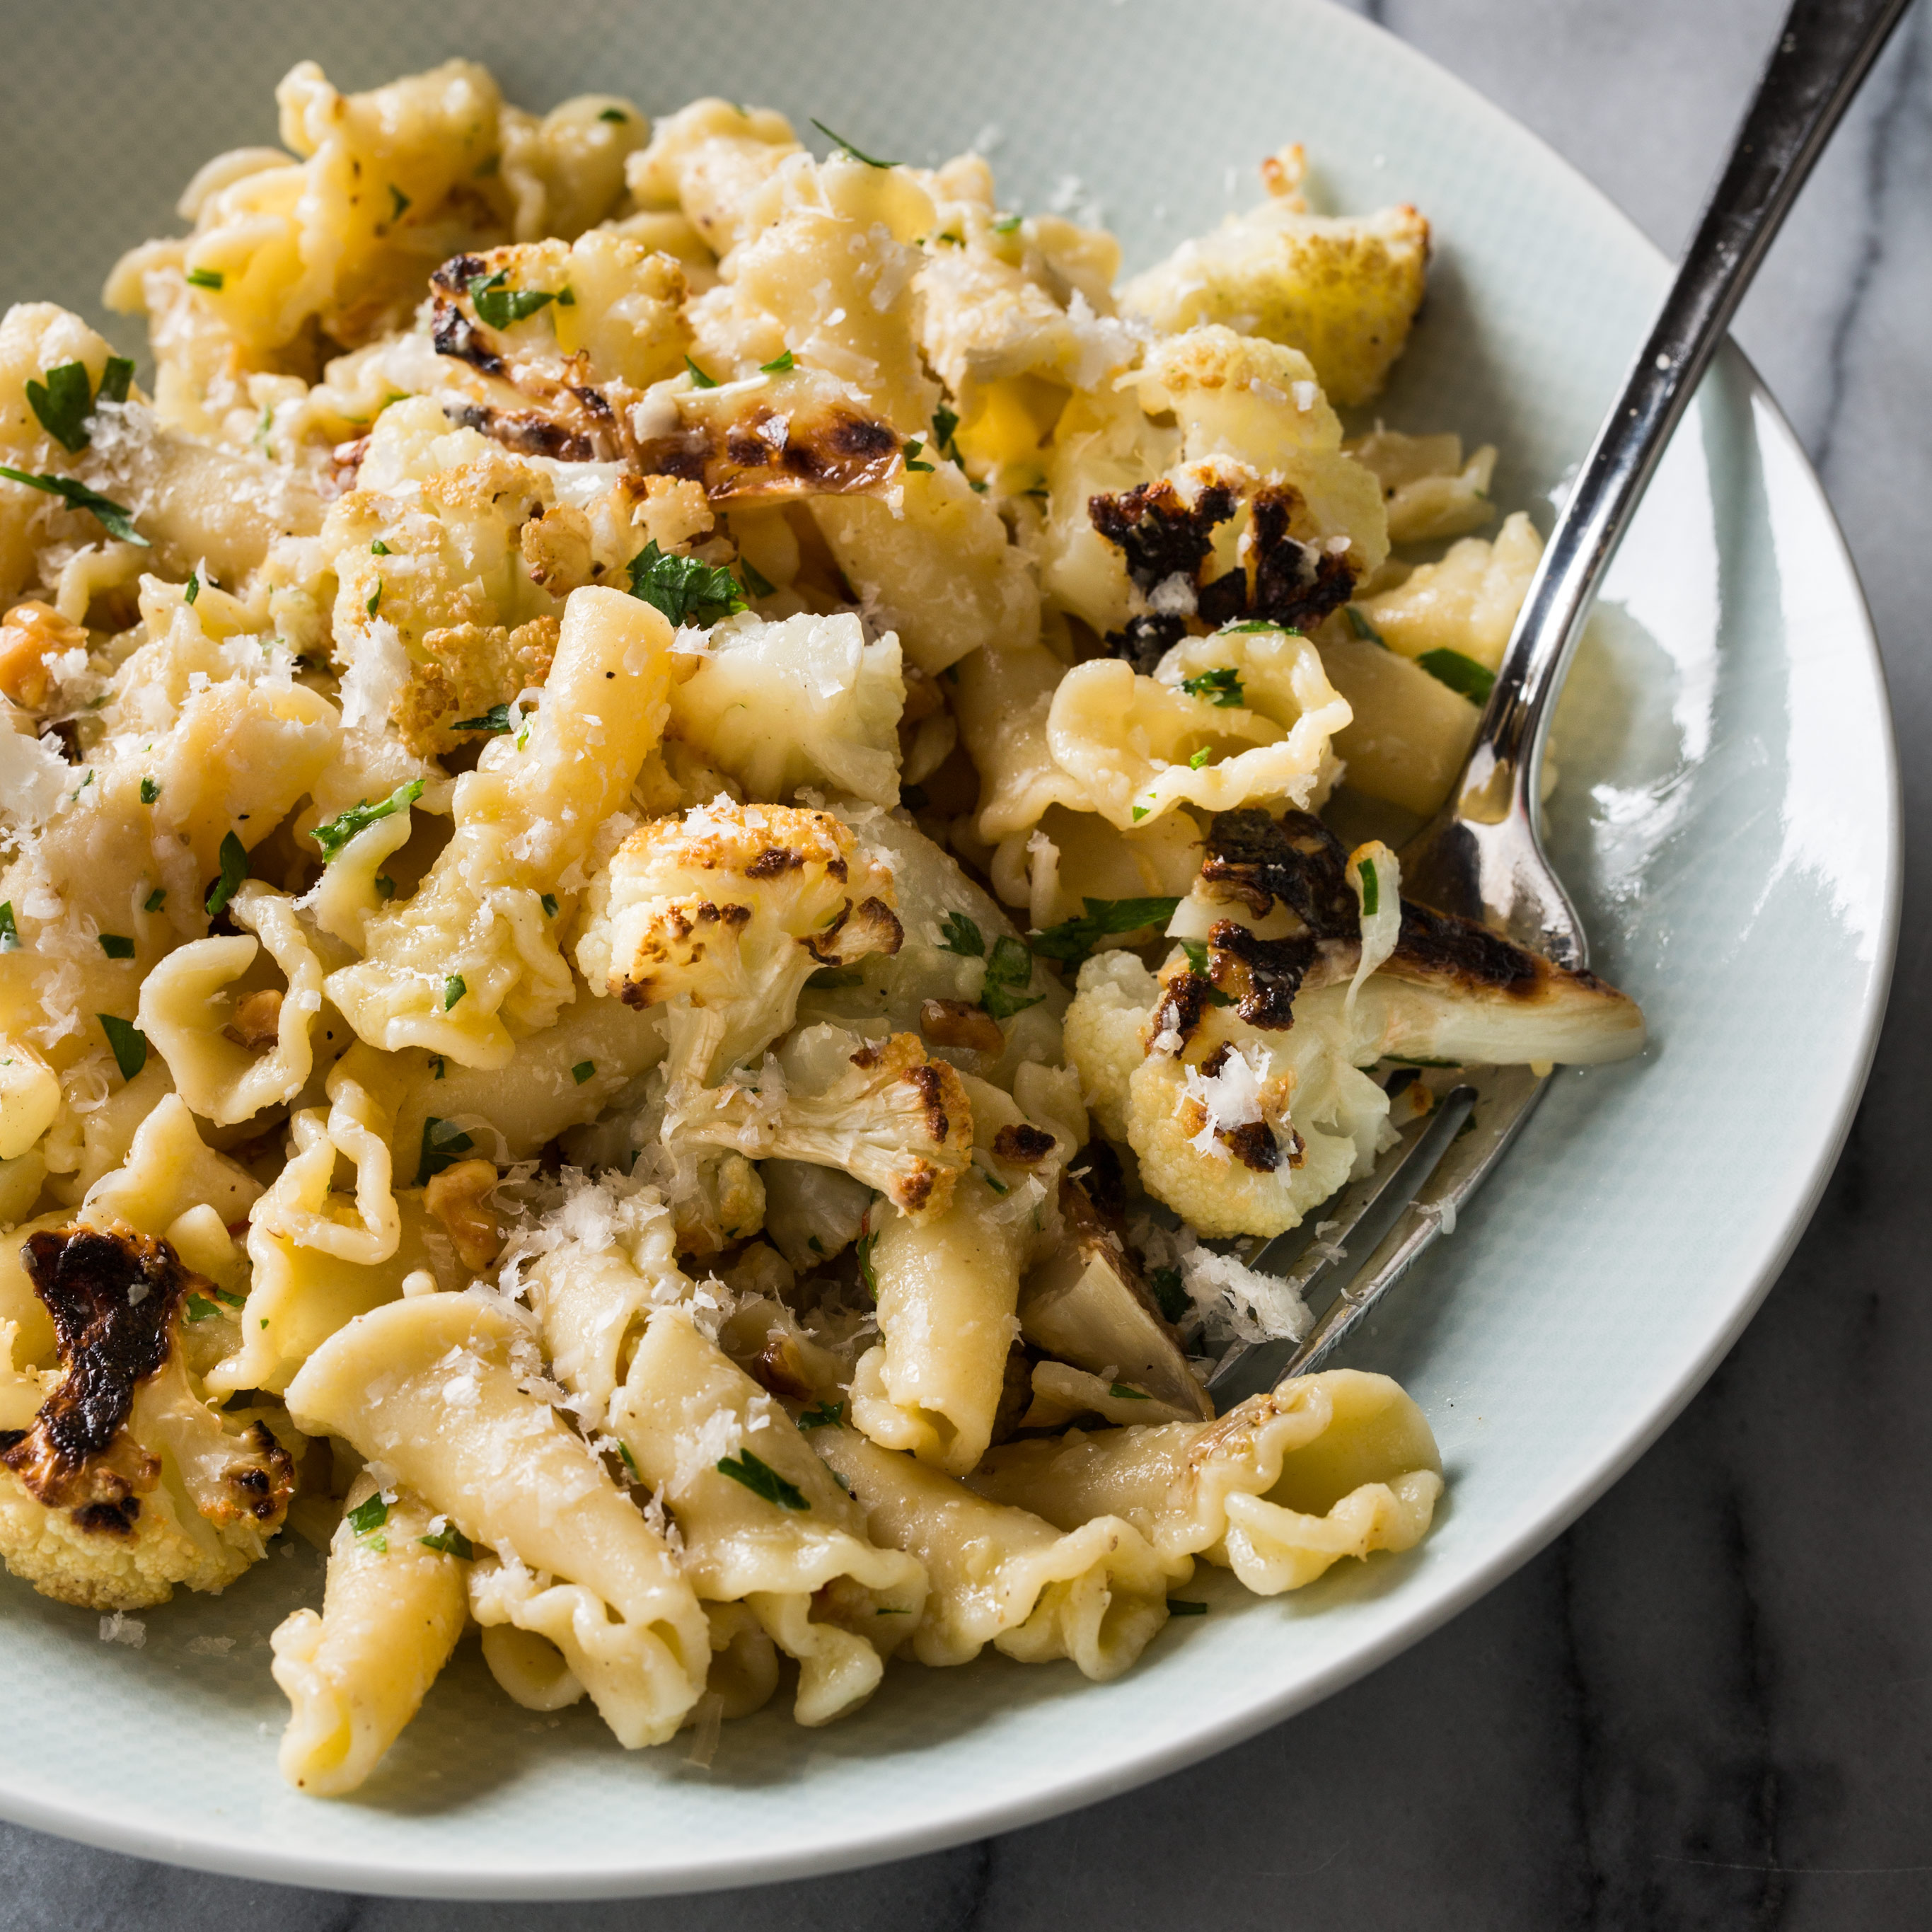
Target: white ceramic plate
{"type": "Point", "coordinates": [1727, 816]}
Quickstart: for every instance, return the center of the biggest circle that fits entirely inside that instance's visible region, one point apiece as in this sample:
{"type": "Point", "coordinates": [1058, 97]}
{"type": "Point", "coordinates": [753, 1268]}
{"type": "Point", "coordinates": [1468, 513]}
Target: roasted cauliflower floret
{"type": "Point", "coordinates": [126, 1483]}
{"type": "Point", "coordinates": [1343, 290]}
{"type": "Point", "coordinates": [726, 911]}
{"type": "Point", "coordinates": [879, 1109]}
{"type": "Point", "coordinates": [1235, 1075]}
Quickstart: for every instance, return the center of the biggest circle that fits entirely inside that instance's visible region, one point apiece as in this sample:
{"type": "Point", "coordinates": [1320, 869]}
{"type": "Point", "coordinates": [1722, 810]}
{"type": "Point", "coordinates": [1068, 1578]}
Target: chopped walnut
{"type": "Point", "coordinates": [459, 1197]}
{"type": "Point", "coordinates": [33, 632]}
{"type": "Point", "coordinates": [257, 1022]}
{"type": "Point", "coordinates": [955, 1023]}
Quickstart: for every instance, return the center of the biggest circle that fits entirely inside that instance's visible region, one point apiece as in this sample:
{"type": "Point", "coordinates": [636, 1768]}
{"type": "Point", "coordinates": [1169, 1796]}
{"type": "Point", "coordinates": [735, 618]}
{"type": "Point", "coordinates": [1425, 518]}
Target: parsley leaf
{"type": "Point", "coordinates": [823, 1415]}
{"type": "Point", "coordinates": [444, 1143]}
{"type": "Point", "coordinates": [399, 203]}
{"type": "Point", "coordinates": [548, 901]}
{"type": "Point", "coordinates": [1168, 1290]}
{"type": "Point", "coordinates": [155, 899]}
{"type": "Point", "coordinates": [150, 790]}
{"type": "Point", "coordinates": [116, 374]}
{"type": "Point", "coordinates": [1222, 688]}
{"type": "Point", "coordinates": [117, 946]}
{"type": "Point", "coordinates": [1009, 967]}
{"type": "Point", "coordinates": [757, 584]}
{"type": "Point", "coordinates": [199, 1309]}
{"type": "Point", "coordinates": [1372, 894]}
{"type": "Point", "coordinates": [687, 589]}
{"type": "Point", "coordinates": [762, 1480]}
{"type": "Point", "coordinates": [130, 1044]}
{"type": "Point", "coordinates": [205, 278]}
{"type": "Point", "coordinates": [959, 934]}
{"type": "Point", "coordinates": [369, 1514]}
{"type": "Point", "coordinates": [779, 365]}
{"type": "Point", "coordinates": [496, 719]}
{"type": "Point", "coordinates": [863, 1248]}
{"type": "Point", "coordinates": [1460, 673]}
{"type": "Point", "coordinates": [945, 425]}
{"type": "Point", "coordinates": [912, 452]}
{"type": "Point", "coordinates": [64, 403]}
{"type": "Point", "coordinates": [234, 870]}
{"type": "Point", "coordinates": [583, 1070]}
{"type": "Point", "coordinates": [1007, 223]}
{"type": "Point", "coordinates": [1181, 1606]}
{"type": "Point", "coordinates": [699, 378]}
{"type": "Point", "coordinates": [858, 153]}
{"type": "Point", "coordinates": [193, 588]}
{"type": "Point", "coordinates": [336, 834]}
{"type": "Point", "coordinates": [454, 988]}
{"type": "Point", "coordinates": [1196, 950]}
{"type": "Point", "coordinates": [10, 933]}
{"type": "Point", "coordinates": [500, 306]}
{"type": "Point", "coordinates": [614, 114]}
{"type": "Point", "coordinates": [1362, 628]}
{"type": "Point", "coordinates": [450, 1541]}
{"type": "Point", "coordinates": [1073, 939]}
{"type": "Point", "coordinates": [630, 1461]}
{"type": "Point", "coordinates": [114, 518]}
{"type": "Point", "coordinates": [1120, 1392]}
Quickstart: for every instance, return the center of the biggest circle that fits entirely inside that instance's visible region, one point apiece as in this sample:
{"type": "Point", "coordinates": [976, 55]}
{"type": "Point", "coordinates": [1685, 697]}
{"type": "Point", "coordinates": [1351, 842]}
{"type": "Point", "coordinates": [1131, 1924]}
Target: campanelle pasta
{"type": "Point", "coordinates": [663, 916]}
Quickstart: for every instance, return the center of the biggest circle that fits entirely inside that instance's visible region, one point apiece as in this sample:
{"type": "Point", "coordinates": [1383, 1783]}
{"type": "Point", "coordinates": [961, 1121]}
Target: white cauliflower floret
{"type": "Point", "coordinates": [1343, 290]}
{"type": "Point", "coordinates": [1104, 1034]}
{"type": "Point", "coordinates": [881, 1110]}
{"type": "Point", "coordinates": [727, 911]}
{"type": "Point", "coordinates": [806, 701]}
{"type": "Point", "coordinates": [126, 1483]}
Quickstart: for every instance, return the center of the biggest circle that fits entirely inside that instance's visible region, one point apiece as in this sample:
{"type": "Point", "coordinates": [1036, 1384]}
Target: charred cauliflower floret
{"type": "Point", "coordinates": [724, 913]}
{"type": "Point", "coordinates": [1234, 1074]}
{"type": "Point", "coordinates": [880, 1109]}
{"type": "Point", "coordinates": [1343, 290]}
{"type": "Point", "coordinates": [127, 1482]}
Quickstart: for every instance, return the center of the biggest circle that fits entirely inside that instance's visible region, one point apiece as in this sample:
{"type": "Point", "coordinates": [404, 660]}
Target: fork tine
{"type": "Point", "coordinates": [1416, 1188]}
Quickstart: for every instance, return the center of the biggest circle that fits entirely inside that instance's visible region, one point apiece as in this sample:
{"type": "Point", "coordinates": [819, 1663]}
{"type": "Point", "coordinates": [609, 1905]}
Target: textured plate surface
{"type": "Point", "coordinates": [1727, 816]}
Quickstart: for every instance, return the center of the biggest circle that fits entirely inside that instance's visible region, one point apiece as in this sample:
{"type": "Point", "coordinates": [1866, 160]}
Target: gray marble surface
{"type": "Point", "coordinates": [1710, 1704]}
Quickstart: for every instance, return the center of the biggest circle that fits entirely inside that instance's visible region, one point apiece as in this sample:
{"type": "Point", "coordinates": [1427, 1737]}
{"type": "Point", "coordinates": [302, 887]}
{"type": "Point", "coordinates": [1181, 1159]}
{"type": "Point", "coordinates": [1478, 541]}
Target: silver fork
{"type": "Point", "coordinates": [1482, 855]}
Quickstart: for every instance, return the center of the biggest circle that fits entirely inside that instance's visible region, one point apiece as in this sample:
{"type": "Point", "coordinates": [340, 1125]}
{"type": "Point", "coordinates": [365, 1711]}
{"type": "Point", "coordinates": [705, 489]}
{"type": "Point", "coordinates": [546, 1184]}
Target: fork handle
{"type": "Point", "coordinates": [1824, 50]}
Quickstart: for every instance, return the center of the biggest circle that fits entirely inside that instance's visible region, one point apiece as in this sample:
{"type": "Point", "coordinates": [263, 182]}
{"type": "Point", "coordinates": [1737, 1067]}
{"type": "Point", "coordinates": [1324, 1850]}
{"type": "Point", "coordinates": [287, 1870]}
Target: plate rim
{"type": "Point", "coordinates": [229, 1854]}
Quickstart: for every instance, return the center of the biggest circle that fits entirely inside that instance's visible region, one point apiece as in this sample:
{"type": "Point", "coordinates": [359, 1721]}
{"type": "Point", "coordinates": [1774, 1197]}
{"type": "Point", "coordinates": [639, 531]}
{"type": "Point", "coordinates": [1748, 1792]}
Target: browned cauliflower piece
{"type": "Point", "coordinates": [127, 1482]}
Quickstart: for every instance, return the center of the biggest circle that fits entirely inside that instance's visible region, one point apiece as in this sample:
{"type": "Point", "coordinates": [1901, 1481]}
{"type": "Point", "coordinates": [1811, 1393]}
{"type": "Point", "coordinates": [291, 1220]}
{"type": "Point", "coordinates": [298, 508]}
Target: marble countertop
{"type": "Point", "coordinates": [1710, 1703]}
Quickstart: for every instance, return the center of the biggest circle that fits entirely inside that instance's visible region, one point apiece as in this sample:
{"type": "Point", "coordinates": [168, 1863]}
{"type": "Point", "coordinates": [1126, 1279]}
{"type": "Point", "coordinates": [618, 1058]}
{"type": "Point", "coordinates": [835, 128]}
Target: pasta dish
{"type": "Point", "coordinates": [692, 840]}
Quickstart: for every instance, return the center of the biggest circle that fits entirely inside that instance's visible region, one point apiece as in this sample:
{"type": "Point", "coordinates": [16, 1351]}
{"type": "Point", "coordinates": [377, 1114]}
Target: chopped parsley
{"type": "Point", "coordinates": [375, 602]}
{"type": "Point", "coordinates": [150, 790]}
{"type": "Point", "coordinates": [1221, 688]}
{"type": "Point", "coordinates": [1120, 1392]}
{"type": "Point", "coordinates": [10, 933]}
{"type": "Point", "coordinates": [369, 1515]}
{"type": "Point", "coordinates": [444, 1143]}
{"type": "Point", "coordinates": [453, 990]}
{"type": "Point", "coordinates": [548, 901]}
{"type": "Point", "coordinates": [399, 203]}
{"type": "Point", "coordinates": [1199, 758]}
{"type": "Point", "coordinates": [755, 582]}
{"type": "Point", "coordinates": [687, 589]}
{"type": "Point", "coordinates": [779, 365]}
{"type": "Point", "coordinates": [1005, 224]}
{"type": "Point", "coordinates": [114, 518]}
{"type": "Point", "coordinates": [116, 946]}
{"type": "Point", "coordinates": [234, 869]}
{"type": "Point", "coordinates": [839, 142]}
{"type": "Point", "coordinates": [1196, 950]}
{"type": "Point", "coordinates": [153, 902]}
{"type": "Point", "coordinates": [438, 1065]}
{"type": "Point", "coordinates": [1460, 673]}
{"type": "Point", "coordinates": [1140, 811]}
{"type": "Point", "coordinates": [762, 1480]}
{"type": "Point", "coordinates": [496, 720]}
{"type": "Point", "coordinates": [194, 589]}
{"type": "Point", "coordinates": [1358, 622]}
{"type": "Point", "coordinates": [449, 1541]}
{"type": "Point", "coordinates": [945, 425]}
{"type": "Point", "coordinates": [116, 374]}
{"type": "Point", "coordinates": [199, 1309]}
{"type": "Point", "coordinates": [379, 548]}
{"type": "Point", "coordinates": [618, 116]}
{"type": "Point", "coordinates": [992, 1179]}
{"type": "Point", "coordinates": [958, 933]}
{"type": "Point", "coordinates": [1371, 890]}
{"type": "Point", "coordinates": [630, 1461]}
{"type": "Point", "coordinates": [385, 887]}
{"type": "Point", "coordinates": [205, 278]}
{"type": "Point", "coordinates": [500, 306]}
{"type": "Point", "coordinates": [913, 451]}
{"type": "Point", "coordinates": [64, 403]}
{"type": "Point", "coordinates": [222, 1294]}
{"type": "Point", "coordinates": [1008, 967]}
{"type": "Point", "coordinates": [863, 1248]}
{"type": "Point", "coordinates": [333, 836]}
{"type": "Point", "coordinates": [823, 1415]}
{"type": "Point", "coordinates": [130, 1044]}
{"type": "Point", "coordinates": [1182, 1607]}
{"type": "Point", "coordinates": [1073, 939]}
{"type": "Point", "coordinates": [1168, 1290]}
{"type": "Point", "coordinates": [583, 1070]}
{"type": "Point", "coordinates": [699, 378]}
